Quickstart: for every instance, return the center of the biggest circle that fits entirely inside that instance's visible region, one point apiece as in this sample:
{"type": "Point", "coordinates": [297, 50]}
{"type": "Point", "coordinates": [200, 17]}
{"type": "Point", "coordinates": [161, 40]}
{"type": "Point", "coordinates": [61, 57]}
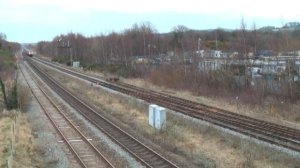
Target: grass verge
{"type": "Point", "coordinates": [192, 142]}
{"type": "Point", "coordinates": [25, 150]}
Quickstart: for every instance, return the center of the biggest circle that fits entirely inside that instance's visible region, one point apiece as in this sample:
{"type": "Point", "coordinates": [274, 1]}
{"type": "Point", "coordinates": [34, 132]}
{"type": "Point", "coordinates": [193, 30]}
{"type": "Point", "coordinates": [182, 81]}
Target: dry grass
{"type": "Point", "coordinates": [23, 97]}
{"type": "Point", "coordinates": [288, 115]}
{"type": "Point", "coordinates": [26, 154]}
{"type": "Point", "coordinates": [202, 145]}
{"type": "Point", "coordinates": [6, 120]}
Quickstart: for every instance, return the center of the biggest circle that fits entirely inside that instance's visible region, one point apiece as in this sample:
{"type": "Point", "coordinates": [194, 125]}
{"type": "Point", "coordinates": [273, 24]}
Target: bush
{"type": "Point", "coordinates": [221, 78]}
{"type": "Point", "coordinates": [23, 97]}
{"type": "Point", "coordinates": [62, 60]}
{"type": "Point", "coordinates": [11, 98]}
{"type": "Point", "coordinates": [115, 69]}
{"type": "Point", "coordinates": [3, 91]}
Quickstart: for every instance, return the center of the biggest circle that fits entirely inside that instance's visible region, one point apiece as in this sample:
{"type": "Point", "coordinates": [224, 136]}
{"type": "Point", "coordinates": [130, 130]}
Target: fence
{"type": "Point", "coordinates": [9, 161]}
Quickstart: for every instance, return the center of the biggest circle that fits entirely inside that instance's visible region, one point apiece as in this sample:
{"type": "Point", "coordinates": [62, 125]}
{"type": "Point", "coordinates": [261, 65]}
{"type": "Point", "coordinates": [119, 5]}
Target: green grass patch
{"type": "Point", "coordinates": [7, 59]}
{"type": "Point", "coordinates": [6, 54]}
{"type": "Point", "coordinates": [62, 60]}
{"type": "Point", "coordinates": [10, 96]}
{"type": "Point", "coordinates": [113, 69]}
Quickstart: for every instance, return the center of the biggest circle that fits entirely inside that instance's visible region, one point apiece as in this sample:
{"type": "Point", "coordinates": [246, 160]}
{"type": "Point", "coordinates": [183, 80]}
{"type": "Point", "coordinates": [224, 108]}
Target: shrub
{"type": "Point", "coordinates": [23, 97]}
{"type": "Point", "coordinates": [10, 97]}
{"type": "Point", "coordinates": [62, 60]}
{"type": "Point", "coordinates": [3, 91]}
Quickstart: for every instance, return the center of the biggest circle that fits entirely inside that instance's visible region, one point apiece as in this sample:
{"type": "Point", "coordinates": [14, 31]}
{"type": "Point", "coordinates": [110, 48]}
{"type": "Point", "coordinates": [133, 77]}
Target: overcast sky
{"type": "Point", "coordinates": [36, 20]}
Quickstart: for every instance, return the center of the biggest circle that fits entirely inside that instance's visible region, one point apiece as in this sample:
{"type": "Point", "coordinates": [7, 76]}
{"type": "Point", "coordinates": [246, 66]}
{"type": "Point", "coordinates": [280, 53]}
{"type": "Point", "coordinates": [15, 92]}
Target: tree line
{"type": "Point", "coordinates": [143, 40]}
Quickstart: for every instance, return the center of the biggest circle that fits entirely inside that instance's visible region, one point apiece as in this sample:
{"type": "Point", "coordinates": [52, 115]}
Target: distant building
{"type": "Point", "coordinates": [200, 53]}
{"type": "Point", "coordinates": [170, 53]}
{"type": "Point", "coordinates": [274, 67]}
{"type": "Point", "coordinates": [138, 60]}
{"type": "Point", "coordinates": [211, 65]}
{"type": "Point", "coordinates": [76, 64]}
{"type": "Point", "coordinates": [262, 53]}
{"type": "Point", "coordinates": [233, 54]}
{"type": "Point", "coordinates": [297, 74]}
{"type": "Point", "coordinates": [255, 71]}
{"type": "Point", "coordinates": [216, 53]}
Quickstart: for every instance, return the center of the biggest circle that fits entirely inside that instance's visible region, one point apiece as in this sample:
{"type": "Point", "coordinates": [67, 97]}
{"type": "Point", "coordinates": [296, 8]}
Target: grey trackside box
{"type": "Point", "coordinates": [152, 108]}
{"type": "Point", "coordinates": [160, 117]}
{"type": "Point", "coordinates": [157, 116]}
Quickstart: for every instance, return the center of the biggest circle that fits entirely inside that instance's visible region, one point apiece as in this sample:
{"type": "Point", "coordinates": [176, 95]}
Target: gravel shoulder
{"type": "Point", "coordinates": [113, 152]}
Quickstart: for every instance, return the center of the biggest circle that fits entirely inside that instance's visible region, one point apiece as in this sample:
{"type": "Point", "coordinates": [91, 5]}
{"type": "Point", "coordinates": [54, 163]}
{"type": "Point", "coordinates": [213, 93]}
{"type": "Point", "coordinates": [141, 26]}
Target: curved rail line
{"type": "Point", "coordinates": [84, 143]}
{"type": "Point", "coordinates": [266, 131]}
{"type": "Point", "coordinates": [140, 151]}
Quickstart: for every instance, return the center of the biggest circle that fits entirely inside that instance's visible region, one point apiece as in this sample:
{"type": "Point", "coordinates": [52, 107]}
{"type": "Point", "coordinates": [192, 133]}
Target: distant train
{"type": "Point", "coordinates": [29, 53]}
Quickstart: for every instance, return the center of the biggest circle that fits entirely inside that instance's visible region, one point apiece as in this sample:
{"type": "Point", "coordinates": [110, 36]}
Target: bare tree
{"type": "Point", "coordinates": [2, 39]}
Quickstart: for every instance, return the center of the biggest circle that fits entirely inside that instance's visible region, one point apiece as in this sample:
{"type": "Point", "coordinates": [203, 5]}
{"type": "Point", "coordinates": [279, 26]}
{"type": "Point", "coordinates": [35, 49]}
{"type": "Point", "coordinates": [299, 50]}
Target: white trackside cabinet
{"type": "Point", "coordinates": [160, 118]}
{"type": "Point", "coordinates": [152, 108]}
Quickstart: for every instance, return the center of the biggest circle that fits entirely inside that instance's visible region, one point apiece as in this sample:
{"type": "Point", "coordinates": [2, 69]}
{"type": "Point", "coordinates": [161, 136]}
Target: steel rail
{"type": "Point", "coordinates": [136, 148]}
{"type": "Point", "coordinates": [84, 138]}
{"type": "Point", "coordinates": [289, 137]}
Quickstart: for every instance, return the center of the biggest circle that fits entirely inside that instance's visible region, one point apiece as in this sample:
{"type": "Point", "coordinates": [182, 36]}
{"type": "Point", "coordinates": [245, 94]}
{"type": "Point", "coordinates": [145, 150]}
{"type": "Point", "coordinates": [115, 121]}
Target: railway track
{"type": "Point", "coordinates": [82, 153]}
{"type": "Point", "coordinates": [272, 133]}
{"type": "Point", "coordinates": [137, 149]}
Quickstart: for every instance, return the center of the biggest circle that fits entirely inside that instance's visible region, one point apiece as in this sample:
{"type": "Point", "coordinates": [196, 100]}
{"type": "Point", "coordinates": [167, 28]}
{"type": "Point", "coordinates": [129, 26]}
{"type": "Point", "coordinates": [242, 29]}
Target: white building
{"type": "Point", "coordinates": [209, 65]}
{"type": "Point", "coordinates": [216, 54]}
